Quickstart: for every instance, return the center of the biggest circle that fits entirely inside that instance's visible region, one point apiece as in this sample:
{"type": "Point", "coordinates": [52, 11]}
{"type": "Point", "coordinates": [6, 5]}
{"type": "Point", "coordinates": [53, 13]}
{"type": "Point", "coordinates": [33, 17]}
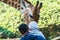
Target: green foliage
{"type": "Point", "coordinates": [10, 18]}
{"type": "Point", "coordinates": [52, 31]}
{"type": "Point", "coordinates": [6, 33]}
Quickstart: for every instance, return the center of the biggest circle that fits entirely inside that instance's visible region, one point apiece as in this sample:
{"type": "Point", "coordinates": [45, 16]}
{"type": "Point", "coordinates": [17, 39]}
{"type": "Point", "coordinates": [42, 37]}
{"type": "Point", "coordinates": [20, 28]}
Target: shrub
{"type": "Point", "coordinates": [6, 33]}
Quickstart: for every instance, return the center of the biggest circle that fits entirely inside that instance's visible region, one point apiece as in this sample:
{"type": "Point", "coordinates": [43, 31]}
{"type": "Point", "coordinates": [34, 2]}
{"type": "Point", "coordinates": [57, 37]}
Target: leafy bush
{"type": "Point", "coordinates": [9, 17]}
{"type": "Point", "coordinates": [51, 31]}
{"type": "Point", "coordinates": [6, 33]}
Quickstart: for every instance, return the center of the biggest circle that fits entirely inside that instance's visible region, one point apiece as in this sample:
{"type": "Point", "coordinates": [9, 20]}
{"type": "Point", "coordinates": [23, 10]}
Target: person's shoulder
{"type": "Point", "coordinates": [28, 36]}
{"type": "Point", "coordinates": [22, 38]}
{"type": "Point", "coordinates": [38, 37]}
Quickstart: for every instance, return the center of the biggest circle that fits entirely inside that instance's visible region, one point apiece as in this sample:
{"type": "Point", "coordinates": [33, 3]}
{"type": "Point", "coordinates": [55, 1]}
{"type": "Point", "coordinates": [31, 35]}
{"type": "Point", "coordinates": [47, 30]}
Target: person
{"type": "Point", "coordinates": [33, 26]}
{"type": "Point", "coordinates": [26, 35]}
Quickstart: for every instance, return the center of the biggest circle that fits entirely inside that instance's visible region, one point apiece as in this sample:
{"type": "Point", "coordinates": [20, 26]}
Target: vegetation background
{"type": "Point", "coordinates": [49, 23]}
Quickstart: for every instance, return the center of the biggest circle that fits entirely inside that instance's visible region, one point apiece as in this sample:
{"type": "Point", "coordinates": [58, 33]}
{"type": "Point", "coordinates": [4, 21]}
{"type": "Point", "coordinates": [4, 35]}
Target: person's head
{"type": "Point", "coordinates": [33, 25]}
{"type": "Point", "coordinates": [23, 28]}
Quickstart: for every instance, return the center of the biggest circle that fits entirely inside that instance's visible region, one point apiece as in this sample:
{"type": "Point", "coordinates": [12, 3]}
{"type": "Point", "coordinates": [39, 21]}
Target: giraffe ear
{"type": "Point", "coordinates": [41, 5]}
{"type": "Point", "coordinates": [38, 2]}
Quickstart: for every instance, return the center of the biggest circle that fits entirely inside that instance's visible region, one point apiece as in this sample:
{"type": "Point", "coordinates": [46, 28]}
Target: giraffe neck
{"type": "Point", "coordinates": [13, 3]}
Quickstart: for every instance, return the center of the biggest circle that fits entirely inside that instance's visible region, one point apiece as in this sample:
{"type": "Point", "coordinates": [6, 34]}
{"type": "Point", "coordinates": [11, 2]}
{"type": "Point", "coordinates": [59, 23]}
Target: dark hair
{"type": "Point", "coordinates": [23, 28]}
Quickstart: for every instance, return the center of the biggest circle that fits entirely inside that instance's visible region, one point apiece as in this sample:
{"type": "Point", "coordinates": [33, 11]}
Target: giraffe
{"type": "Point", "coordinates": [34, 10]}
{"type": "Point", "coordinates": [13, 3]}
